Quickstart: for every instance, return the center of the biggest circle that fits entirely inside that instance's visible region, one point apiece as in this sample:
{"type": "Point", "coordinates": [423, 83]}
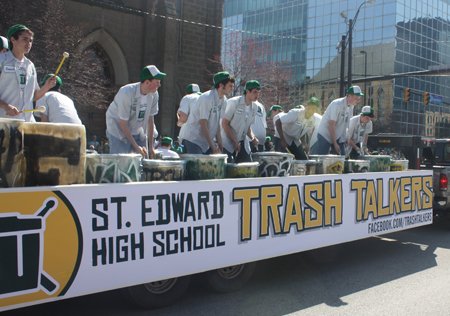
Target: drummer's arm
{"type": "Point", "coordinates": [352, 143]}
{"type": "Point", "coordinates": [44, 118]}
{"type": "Point", "coordinates": [182, 118]}
{"type": "Point", "coordinates": [40, 92]}
{"type": "Point", "coordinates": [205, 131]}
{"type": "Point", "coordinates": [227, 129]}
{"type": "Point", "coordinates": [279, 127]}
{"type": "Point", "coordinates": [252, 136]}
{"type": "Point", "coordinates": [9, 109]}
{"type": "Point", "coordinates": [126, 131]}
{"type": "Point", "coordinates": [151, 139]}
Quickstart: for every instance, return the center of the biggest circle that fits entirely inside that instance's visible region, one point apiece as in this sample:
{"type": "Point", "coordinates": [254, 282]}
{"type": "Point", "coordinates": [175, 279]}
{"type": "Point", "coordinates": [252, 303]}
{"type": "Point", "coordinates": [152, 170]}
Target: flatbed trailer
{"type": "Point", "coordinates": [59, 242]}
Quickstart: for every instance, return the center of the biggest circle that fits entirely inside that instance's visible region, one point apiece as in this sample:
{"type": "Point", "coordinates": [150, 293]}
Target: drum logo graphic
{"type": "Point", "coordinates": [40, 246]}
{"type": "Point", "coordinates": [336, 168]}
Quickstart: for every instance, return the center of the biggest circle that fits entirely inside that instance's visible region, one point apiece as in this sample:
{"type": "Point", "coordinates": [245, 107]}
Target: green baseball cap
{"type": "Point", "coordinates": [166, 140]}
{"type": "Point", "coordinates": [356, 90]}
{"type": "Point", "coordinates": [299, 106]}
{"type": "Point", "coordinates": [367, 110]}
{"type": "Point", "coordinates": [274, 107]}
{"type": "Point", "coordinates": [15, 28]}
{"type": "Point", "coordinates": [221, 76]}
{"type": "Point", "coordinates": [252, 84]}
{"type": "Point", "coordinates": [314, 102]}
{"type": "Point", "coordinates": [4, 43]}
{"type": "Point", "coordinates": [193, 88]}
{"type": "Point", "coordinates": [151, 72]}
{"type": "Point", "coordinates": [269, 138]}
{"type": "Point", "coordinates": [58, 80]}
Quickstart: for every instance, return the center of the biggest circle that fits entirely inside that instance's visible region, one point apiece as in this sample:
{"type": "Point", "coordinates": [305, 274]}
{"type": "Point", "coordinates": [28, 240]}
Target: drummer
{"type": "Point", "coordinates": [166, 144]}
{"type": "Point", "coordinates": [58, 107]}
{"type": "Point", "coordinates": [358, 132]}
{"type": "Point", "coordinates": [203, 122]}
{"type": "Point", "coordinates": [259, 128]}
{"type": "Point", "coordinates": [333, 127]}
{"type": "Point", "coordinates": [129, 119]}
{"type": "Point", "coordinates": [239, 115]}
{"type": "Point", "coordinates": [18, 80]}
{"type": "Point", "coordinates": [275, 112]}
{"type": "Point", "coordinates": [297, 123]}
{"type": "Point", "coordinates": [4, 47]}
{"type": "Point", "coordinates": [186, 104]}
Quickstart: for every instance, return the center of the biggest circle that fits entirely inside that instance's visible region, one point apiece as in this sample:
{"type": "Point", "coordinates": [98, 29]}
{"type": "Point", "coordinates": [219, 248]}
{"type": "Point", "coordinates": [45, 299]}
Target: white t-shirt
{"type": "Point", "coordinates": [59, 108]}
{"type": "Point", "coordinates": [316, 129]}
{"type": "Point", "coordinates": [339, 112]}
{"type": "Point", "coordinates": [295, 125]}
{"type": "Point", "coordinates": [275, 119]}
{"type": "Point", "coordinates": [186, 105]}
{"type": "Point", "coordinates": [168, 153]}
{"type": "Point", "coordinates": [260, 125]}
{"type": "Point", "coordinates": [357, 131]}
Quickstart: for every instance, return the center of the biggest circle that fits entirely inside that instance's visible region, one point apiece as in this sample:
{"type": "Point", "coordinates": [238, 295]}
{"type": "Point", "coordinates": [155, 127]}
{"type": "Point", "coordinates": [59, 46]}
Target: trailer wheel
{"type": "Point", "coordinates": [229, 279]}
{"type": "Point", "coordinates": [158, 294]}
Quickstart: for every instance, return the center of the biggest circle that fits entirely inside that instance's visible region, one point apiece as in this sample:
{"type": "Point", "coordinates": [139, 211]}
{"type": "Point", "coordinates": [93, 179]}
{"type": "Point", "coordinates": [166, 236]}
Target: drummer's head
{"type": "Point", "coordinates": [223, 82]}
{"type": "Point", "coordinates": [274, 110]}
{"type": "Point", "coordinates": [166, 142]}
{"type": "Point", "coordinates": [150, 79]}
{"type": "Point", "coordinates": [193, 88]}
{"type": "Point", "coordinates": [58, 84]}
{"type": "Point", "coordinates": [367, 114]}
{"type": "Point", "coordinates": [17, 31]}
{"type": "Point", "coordinates": [251, 91]}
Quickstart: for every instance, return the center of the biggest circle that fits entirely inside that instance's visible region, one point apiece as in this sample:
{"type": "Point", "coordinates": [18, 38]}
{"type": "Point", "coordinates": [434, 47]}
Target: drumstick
{"type": "Point", "coordinates": [41, 109]}
{"type": "Point", "coordinates": [65, 55]}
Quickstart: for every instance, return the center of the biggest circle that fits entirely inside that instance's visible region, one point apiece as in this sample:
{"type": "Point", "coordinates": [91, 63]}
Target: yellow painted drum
{"type": "Point", "coordinates": [399, 165]}
{"type": "Point", "coordinates": [356, 166]}
{"type": "Point", "coordinates": [163, 170]}
{"type": "Point", "coordinates": [378, 163]}
{"type": "Point", "coordinates": [55, 154]}
{"type": "Point", "coordinates": [303, 167]}
{"type": "Point", "coordinates": [12, 164]}
{"type": "Point", "coordinates": [113, 168]}
{"type": "Point", "coordinates": [329, 164]}
{"type": "Point", "coordinates": [242, 170]}
{"type": "Point", "coordinates": [273, 164]}
{"type": "Point", "coordinates": [203, 167]}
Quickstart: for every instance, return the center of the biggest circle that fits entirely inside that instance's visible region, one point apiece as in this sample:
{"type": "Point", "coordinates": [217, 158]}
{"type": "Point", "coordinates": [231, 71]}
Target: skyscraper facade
{"type": "Point", "coordinates": [388, 37]}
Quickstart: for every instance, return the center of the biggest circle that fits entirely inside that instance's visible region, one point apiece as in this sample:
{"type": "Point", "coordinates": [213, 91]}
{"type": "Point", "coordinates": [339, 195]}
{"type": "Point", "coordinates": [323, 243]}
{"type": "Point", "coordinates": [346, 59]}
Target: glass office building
{"type": "Point", "coordinates": [388, 37]}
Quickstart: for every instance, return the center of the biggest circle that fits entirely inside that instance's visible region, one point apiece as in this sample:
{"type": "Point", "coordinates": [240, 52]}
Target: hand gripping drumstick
{"type": "Point", "coordinates": [65, 55]}
{"type": "Point", "coordinates": [41, 109]}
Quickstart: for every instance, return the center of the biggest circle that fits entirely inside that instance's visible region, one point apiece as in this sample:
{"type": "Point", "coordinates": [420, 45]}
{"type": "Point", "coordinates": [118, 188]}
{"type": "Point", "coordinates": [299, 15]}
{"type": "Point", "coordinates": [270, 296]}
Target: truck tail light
{"type": "Point", "coordinates": [443, 182]}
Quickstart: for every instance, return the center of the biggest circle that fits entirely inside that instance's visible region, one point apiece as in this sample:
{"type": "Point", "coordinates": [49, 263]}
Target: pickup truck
{"type": "Point", "coordinates": [426, 153]}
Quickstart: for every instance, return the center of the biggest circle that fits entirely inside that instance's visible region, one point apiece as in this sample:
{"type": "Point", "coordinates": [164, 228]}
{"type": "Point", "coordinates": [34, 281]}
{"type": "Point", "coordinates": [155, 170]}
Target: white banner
{"type": "Point", "coordinates": [65, 241]}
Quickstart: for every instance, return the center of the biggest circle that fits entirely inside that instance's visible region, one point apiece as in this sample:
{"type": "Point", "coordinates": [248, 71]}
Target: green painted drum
{"type": "Point", "coordinates": [163, 170]}
{"type": "Point", "coordinates": [113, 168]}
{"type": "Point", "coordinates": [356, 166]}
{"type": "Point", "coordinates": [303, 167]}
{"type": "Point", "coordinates": [55, 154]}
{"type": "Point", "coordinates": [378, 163]}
{"type": "Point", "coordinates": [12, 163]}
{"type": "Point", "coordinates": [399, 165]}
{"type": "Point", "coordinates": [242, 170]}
{"type": "Point", "coordinates": [204, 167]}
{"type": "Point", "coordinates": [273, 164]}
{"type": "Point", "coordinates": [329, 164]}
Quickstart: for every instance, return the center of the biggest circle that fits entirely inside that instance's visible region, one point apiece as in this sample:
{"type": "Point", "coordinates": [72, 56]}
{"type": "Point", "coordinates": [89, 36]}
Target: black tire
{"type": "Point", "coordinates": [158, 294]}
{"type": "Point", "coordinates": [229, 279]}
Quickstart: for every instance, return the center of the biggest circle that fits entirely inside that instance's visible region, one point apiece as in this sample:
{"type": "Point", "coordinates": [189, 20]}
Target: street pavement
{"type": "Point", "coordinates": [405, 273]}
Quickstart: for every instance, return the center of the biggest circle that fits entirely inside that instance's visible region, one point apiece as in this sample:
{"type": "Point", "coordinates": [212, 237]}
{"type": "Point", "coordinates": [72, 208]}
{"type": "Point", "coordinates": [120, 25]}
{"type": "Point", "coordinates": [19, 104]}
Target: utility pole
{"type": "Point", "coordinates": [342, 79]}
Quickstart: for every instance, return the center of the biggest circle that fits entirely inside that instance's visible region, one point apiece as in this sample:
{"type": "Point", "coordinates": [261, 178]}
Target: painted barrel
{"type": "Point", "coordinates": [242, 170]}
{"type": "Point", "coordinates": [204, 167]}
{"type": "Point", "coordinates": [12, 163]}
{"type": "Point", "coordinates": [113, 168]}
{"type": "Point", "coordinates": [356, 166]}
{"type": "Point", "coordinates": [163, 170]}
{"type": "Point", "coordinates": [303, 167]}
{"type": "Point", "coordinates": [329, 164]}
{"type": "Point", "coordinates": [378, 163]}
{"type": "Point", "coordinates": [399, 165]}
{"type": "Point", "coordinates": [55, 154]}
{"type": "Point", "coordinates": [273, 164]}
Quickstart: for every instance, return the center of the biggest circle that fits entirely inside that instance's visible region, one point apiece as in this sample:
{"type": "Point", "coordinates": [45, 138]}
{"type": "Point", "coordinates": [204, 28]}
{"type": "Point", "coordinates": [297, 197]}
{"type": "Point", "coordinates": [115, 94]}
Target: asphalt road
{"type": "Point", "coordinates": [405, 273]}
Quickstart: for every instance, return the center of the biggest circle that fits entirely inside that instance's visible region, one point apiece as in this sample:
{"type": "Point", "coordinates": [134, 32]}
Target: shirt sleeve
{"type": "Point", "coordinates": [230, 109]}
{"type": "Point", "coordinates": [155, 105]}
{"type": "Point", "coordinates": [184, 105]}
{"type": "Point", "coordinates": [351, 127]}
{"type": "Point", "coordinates": [334, 111]}
{"type": "Point", "coordinates": [42, 102]}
